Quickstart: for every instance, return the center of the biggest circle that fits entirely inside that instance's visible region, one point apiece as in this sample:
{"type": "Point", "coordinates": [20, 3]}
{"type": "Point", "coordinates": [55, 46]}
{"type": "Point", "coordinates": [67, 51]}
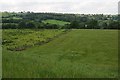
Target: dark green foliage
{"type": "Point", "coordinates": [9, 26]}
{"type": "Point", "coordinates": [92, 24]}
{"type": "Point", "coordinates": [114, 25]}
{"type": "Point", "coordinates": [74, 24]}
{"type": "Point", "coordinates": [66, 26]}
{"type": "Point", "coordinates": [82, 25]}
{"type": "Point", "coordinates": [30, 24]}
{"type": "Point", "coordinates": [59, 21]}
{"type": "Point", "coordinates": [102, 24]}
{"type": "Point", "coordinates": [22, 24]}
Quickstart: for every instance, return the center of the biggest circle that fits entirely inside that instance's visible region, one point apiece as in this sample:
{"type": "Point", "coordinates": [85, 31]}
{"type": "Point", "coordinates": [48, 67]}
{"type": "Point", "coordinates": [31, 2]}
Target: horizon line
{"type": "Point", "coordinates": [58, 12]}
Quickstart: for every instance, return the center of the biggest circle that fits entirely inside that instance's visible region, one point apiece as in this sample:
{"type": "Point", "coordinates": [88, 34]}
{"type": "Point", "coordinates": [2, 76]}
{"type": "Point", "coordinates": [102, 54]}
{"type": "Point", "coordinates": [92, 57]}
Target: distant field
{"type": "Point", "coordinates": [76, 54]}
{"type": "Point", "coordinates": [57, 22]}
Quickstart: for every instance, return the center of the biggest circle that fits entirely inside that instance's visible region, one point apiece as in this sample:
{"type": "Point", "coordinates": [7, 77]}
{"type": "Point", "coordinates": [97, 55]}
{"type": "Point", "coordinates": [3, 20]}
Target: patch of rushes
{"type": "Point", "coordinates": [18, 40]}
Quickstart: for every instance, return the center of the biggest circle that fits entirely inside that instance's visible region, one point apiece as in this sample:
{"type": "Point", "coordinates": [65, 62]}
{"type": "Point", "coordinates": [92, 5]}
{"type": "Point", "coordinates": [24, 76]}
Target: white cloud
{"type": "Point", "coordinates": [68, 6]}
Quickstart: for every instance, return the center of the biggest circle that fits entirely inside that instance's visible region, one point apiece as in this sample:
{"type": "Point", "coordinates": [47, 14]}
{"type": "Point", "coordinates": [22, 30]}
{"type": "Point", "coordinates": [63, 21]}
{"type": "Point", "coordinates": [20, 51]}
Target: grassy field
{"type": "Point", "coordinates": [76, 54]}
{"type": "Point", "coordinates": [57, 22]}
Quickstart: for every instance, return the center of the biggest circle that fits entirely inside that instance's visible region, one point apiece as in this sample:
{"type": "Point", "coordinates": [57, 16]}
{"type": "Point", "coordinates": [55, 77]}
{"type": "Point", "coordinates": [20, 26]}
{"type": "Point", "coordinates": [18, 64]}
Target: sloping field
{"type": "Point", "coordinates": [57, 22]}
{"type": "Point", "coordinates": [79, 53]}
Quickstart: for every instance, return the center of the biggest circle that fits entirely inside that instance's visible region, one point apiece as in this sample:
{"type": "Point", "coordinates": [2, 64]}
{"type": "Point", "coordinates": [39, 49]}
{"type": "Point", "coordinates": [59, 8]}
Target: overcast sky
{"type": "Point", "coordinates": [61, 6]}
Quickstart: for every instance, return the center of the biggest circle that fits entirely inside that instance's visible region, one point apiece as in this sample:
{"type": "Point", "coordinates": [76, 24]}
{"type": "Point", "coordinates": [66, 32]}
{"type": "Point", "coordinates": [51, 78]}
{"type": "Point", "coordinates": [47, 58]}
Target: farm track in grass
{"type": "Point", "coordinates": [77, 54]}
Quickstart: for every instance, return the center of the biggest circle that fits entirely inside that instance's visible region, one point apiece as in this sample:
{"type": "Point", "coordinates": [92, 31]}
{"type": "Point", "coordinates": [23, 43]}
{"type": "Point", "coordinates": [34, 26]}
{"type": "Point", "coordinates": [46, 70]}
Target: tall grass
{"type": "Point", "coordinates": [77, 54]}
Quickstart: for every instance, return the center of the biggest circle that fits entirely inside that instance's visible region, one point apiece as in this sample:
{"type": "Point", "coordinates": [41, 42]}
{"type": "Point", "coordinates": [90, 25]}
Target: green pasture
{"type": "Point", "coordinates": [75, 54]}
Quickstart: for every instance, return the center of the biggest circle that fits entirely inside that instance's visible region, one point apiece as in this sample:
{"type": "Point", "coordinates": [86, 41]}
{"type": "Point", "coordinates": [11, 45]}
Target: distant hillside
{"type": "Point", "coordinates": [57, 22]}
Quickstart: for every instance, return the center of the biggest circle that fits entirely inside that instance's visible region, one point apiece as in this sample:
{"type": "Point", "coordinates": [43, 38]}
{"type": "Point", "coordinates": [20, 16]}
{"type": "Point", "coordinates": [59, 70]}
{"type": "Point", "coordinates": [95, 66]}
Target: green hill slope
{"type": "Point", "coordinates": [57, 22]}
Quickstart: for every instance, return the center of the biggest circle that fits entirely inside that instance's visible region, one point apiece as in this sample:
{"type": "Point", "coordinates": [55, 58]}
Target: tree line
{"type": "Point", "coordinates": [30, 20]}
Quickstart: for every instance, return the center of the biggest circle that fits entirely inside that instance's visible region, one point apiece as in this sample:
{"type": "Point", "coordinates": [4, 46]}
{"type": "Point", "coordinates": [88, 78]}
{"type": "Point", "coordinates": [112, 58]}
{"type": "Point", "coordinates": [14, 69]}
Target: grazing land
{"type": "Point", "coordinates": [57, 22]}
{"type": "Point", "coordinates": [76, 54]}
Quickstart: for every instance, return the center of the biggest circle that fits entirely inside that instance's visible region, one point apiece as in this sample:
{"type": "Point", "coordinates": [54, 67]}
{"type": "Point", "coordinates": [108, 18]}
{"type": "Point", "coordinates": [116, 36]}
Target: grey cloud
{"type": "Point", "coordinates": [91, 6]}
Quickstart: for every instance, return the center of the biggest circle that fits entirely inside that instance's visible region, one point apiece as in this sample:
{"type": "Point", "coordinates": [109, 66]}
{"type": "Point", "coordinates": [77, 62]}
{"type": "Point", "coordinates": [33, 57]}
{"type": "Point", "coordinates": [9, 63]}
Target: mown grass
{"type": "Point", "coordinates": [77, 54]}
{"type": "Point", "coordinates": [57, 22]}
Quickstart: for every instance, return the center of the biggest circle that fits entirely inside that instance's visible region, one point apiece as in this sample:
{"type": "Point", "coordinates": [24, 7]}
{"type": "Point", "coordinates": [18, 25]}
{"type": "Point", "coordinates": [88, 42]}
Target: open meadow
{"type": "Point", "coordinates": [76, 53]}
